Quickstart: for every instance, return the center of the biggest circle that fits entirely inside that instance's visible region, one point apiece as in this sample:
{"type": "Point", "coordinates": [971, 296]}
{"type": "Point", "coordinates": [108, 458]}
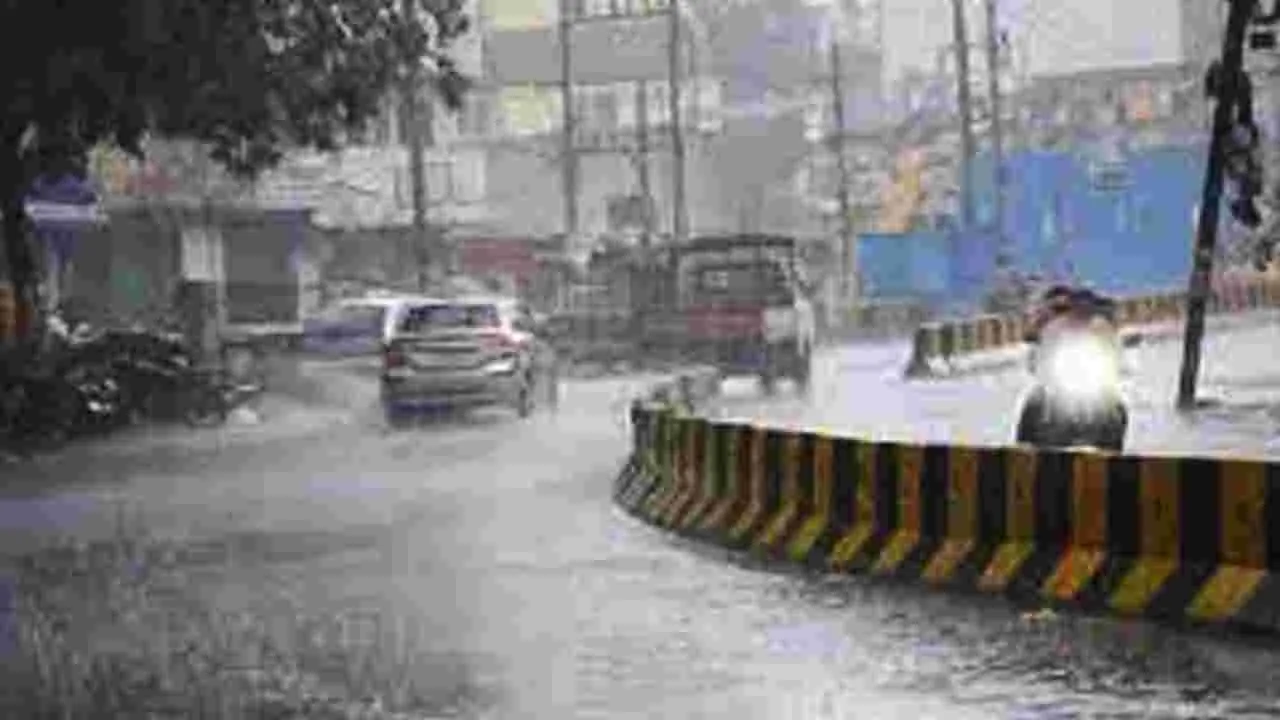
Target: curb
{"type": "Point", "coordinates": [1180, 541]}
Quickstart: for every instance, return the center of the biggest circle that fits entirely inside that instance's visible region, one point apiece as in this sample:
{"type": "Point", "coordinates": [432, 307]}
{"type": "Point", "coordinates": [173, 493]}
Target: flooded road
{"type": "Point", "coordinates": [488, 550]}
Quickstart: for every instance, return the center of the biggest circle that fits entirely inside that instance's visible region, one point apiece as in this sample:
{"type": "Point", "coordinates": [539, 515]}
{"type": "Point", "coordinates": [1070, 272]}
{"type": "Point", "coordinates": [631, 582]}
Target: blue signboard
{"type": "Point", "coordinates": [61, 208]}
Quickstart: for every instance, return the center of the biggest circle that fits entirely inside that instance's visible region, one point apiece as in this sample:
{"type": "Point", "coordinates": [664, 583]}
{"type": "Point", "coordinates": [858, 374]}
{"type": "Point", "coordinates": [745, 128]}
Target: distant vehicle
{"type": "Point", "coordinates": [742, 304]}
{"type": "Point", "coordinates": [356, 327]}
{"type": "Point", "coordinates": [466, 352]}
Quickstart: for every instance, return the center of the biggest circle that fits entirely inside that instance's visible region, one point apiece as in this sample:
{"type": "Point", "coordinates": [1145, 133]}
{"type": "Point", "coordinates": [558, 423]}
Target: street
{"type": "Point", "coordinates": [491, 547]}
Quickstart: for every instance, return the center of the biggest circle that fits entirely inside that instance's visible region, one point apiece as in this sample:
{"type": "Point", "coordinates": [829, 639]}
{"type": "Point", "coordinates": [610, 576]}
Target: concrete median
{"type": "Point", "coordinates": [939, 347]}
{"type": "Point", "coordinates": [651, 418]}
{"type": "Point", "coordinates": [1177, 540]}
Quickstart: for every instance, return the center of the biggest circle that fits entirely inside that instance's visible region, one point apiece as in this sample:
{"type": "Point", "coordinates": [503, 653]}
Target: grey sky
{"type": "Point", "coordinates": [1058, 35]}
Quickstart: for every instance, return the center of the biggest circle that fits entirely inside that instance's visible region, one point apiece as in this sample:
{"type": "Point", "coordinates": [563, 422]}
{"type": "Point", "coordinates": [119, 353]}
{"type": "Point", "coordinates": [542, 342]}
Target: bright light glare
{"type": "Point", "coordinates": [1084, 368]}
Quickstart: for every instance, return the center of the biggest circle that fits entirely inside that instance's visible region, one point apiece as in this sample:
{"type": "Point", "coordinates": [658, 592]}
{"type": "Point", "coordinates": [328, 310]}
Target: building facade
{"type": "Point", "coordinates": [755, 81]}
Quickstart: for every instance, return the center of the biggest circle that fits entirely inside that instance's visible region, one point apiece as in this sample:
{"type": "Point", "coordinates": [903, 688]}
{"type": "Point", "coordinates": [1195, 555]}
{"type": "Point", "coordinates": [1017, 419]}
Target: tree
{"type": "Point", "coordinates": [249, 78]}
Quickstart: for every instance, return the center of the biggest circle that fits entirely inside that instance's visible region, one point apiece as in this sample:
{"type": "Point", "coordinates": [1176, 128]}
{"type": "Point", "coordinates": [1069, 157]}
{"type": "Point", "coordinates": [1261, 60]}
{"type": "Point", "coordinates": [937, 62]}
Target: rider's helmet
{"type": "Point", "coordinates": [1088, 302]}
{"type": "Point", "coordinates": [1053, 302]}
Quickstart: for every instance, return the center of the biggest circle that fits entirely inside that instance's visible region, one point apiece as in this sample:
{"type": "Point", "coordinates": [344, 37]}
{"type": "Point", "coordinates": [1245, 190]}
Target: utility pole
{"type": "Point", "coordinates": [569, 148]}
{"type": "Point", "coordinates": [997, 118]}
{"type": "Point", "coordinates": [642, 159]}
{"type": "Point", "coordinates": [847, 282]}
{"type": "Point", "coordinates": [417, 125]}
{"type": "Point", "coordinates": [1228, 95]}
{"type": "Point", "coordinates": [960, 28]}
{"type": "Point", "coordinates": [679, 209]}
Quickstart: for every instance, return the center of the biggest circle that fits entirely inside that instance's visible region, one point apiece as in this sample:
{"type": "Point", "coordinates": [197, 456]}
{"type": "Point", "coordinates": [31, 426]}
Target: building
{"type": "Point", "coordinates": [620, 68]}
{"type": "Point", "coordinates": [1200, 28]}
{"type": "Point", "coordinates": [1149, 105]}
{"type": "Point", "coordinates": [176, 217]}
{"type": "Point", "coordinates": [752, 71]}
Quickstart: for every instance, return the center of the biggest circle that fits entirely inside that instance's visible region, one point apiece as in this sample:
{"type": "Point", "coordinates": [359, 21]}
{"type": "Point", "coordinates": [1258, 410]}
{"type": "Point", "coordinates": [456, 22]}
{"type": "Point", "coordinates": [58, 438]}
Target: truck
{"type": "Point", "coordinates": [740, 303]}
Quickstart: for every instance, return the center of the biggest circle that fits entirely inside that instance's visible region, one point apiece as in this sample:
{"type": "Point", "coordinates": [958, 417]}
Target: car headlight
{"type": "Point", "coordinates": [505, 366]}
{"type": "Point", "coordinates": [1084, 368]}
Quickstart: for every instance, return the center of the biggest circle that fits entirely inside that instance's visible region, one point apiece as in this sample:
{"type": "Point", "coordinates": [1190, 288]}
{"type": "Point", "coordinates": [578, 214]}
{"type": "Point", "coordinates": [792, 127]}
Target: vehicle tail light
{"type": "Point", "coordinates": [394, 358]}
{"type": "Point", "coordinates": [500, 341]}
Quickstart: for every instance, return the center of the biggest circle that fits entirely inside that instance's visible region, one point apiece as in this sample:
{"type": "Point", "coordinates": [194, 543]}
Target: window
{"type": "Point", "coordinates": [476, 116]}
{"type": "Point", "coordinates": [617, 8]}
{"type": "Point", "coordinates": [428, 318]}
{"type": "Point", "coordinates": [529, 110]}
{"type": "Point", "coordinates": [468, 177]}
{"type": "Point", "coordinates": [439, 180]}
{"type": "Point", "coordinates": [596, 8]}
{"type": "Point", "coordinates": [519, 14]}
{"type": "Point", "coordinates": [659, 104]}
{"type": "Point", "coordinates": [597, 107]}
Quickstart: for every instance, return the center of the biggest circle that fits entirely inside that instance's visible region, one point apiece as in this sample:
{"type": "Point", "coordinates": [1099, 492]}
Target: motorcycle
{"type": "Point", "coordinates": [1076, 400]}
{"type": "Point", "coordinates": [166, 383]}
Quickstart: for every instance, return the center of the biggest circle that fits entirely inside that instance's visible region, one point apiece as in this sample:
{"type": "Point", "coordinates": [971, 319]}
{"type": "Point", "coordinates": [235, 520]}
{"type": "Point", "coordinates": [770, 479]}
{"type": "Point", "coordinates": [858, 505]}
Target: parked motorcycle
{"type": "Point", "coordinates": [166, 383]}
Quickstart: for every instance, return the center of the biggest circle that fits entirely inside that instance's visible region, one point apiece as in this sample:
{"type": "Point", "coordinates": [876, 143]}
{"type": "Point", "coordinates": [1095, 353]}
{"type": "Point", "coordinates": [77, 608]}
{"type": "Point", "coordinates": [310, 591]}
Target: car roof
{"type": "Point", "coordinates": [485, 300]}
{"type": "Point", "coordinates": [390, 301]}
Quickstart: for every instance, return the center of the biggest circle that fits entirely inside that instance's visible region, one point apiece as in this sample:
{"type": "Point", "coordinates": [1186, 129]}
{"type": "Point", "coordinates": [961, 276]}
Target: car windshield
{"type": "Point", "coordinates": [433, 318]}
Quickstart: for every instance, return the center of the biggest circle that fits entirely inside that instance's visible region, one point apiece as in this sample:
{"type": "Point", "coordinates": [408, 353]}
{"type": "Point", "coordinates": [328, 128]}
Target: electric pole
{"type": "Point", "coordinates": [679, 209]}
{"type": "Point", "coordinates": [1228, 95]}
{"type": "Point", "coordinates": [847, 281]}
{"type": "Point", "coordinates": [417, 126]}
{"type": "Point", "coordinates": [569, 148]}
{"type": "Point", "coordinates": [997, 119]}
{"type": "Point", "coordinates": [642, 159]}
{"type": "Point", "coordinates": [965, 101]}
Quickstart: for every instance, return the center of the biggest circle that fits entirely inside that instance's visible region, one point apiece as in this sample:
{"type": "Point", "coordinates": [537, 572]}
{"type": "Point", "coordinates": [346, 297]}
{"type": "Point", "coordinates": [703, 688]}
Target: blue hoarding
{"type": "Point", "coordinates": [897, 266]}
{"type": "Point", "coordinates": [1119, 219]}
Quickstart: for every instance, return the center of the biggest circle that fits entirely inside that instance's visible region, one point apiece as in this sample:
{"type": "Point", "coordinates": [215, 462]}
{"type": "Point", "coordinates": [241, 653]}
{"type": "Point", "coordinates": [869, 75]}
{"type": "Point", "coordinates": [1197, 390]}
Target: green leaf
{"type": "Point", "coordinates": [251, 78]}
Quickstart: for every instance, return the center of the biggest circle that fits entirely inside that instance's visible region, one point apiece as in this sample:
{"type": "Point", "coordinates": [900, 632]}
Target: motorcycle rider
{"type": "Point", "coordinates": [1075, 358]}
{"type": "Point", "coordinates": [1063, 310]}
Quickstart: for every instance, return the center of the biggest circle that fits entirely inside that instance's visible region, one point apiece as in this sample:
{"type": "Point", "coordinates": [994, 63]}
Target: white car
{"type": "Point", "coordinates": [465, 352]}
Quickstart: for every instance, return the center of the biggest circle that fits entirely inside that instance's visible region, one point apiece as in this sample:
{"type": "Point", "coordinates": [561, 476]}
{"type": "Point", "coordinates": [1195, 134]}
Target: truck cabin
{"type": "Point", "coordinates": [738, 271]}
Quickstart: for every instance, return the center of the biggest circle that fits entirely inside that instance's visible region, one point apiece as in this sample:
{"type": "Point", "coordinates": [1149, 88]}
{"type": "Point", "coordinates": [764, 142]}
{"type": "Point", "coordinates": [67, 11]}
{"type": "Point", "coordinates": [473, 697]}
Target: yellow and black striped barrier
{"type": "Point", "coordinates": [936, 345]}
{"type": "Point", "coordinates": [1178, 540]}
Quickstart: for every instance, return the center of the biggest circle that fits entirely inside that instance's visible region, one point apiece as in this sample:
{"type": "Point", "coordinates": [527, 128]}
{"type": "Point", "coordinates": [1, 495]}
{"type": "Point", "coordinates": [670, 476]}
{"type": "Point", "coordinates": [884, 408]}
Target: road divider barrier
{"type": "Point", "coordinates": [684, 392]}
{"type": "Point", "coordinates": [937, 345]}
{"type": "Point", "coordinates": [1178, 540]}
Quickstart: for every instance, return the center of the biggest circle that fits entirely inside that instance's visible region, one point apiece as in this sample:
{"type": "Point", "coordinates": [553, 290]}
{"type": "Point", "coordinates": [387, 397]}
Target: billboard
{"type": "Point", "coordinates": [895, 266]}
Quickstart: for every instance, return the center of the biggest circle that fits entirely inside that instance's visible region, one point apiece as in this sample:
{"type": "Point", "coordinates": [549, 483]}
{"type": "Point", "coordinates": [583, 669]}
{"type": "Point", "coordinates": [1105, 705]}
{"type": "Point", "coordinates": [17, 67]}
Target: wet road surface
{"type": "Point", "coordinates": [862, 391]}
{"type": "Point", "coordinates": [490, 546]}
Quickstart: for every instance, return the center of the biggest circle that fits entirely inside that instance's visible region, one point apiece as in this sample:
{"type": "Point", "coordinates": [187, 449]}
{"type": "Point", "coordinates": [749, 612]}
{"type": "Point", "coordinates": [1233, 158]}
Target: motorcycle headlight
{"type": "Point", "coordinates": [504, 366]}
{"type": "Point", "coordinates": [1084, 368]}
